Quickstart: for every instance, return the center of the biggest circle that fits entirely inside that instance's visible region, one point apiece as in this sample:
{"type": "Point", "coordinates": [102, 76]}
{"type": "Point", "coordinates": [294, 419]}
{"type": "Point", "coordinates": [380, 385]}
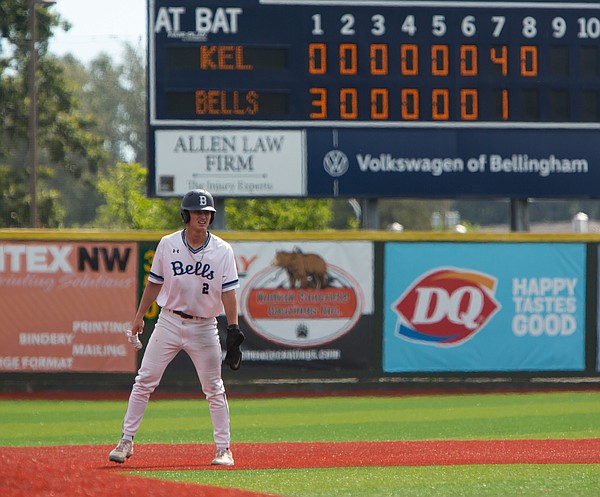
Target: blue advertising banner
{"type": "Point", "coordinates": [484, 307]}
{"type": "Point", "coordinates": [453, 162]}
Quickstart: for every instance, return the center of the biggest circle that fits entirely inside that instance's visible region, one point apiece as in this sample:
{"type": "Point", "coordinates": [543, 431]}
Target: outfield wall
{"type": "Point", "coordinates": [353, 308]}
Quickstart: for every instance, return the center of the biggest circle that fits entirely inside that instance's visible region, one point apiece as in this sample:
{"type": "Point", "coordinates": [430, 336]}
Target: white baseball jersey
{"type": "Point", "coordinates": [193, 279]}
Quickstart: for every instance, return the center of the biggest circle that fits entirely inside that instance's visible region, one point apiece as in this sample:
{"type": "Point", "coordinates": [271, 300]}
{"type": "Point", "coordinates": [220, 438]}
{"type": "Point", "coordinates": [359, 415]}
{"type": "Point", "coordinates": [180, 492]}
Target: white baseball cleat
{"type": "Point", "coordinates": [223, 457]}
{"type": "Point", "coordinates": [123, 451]}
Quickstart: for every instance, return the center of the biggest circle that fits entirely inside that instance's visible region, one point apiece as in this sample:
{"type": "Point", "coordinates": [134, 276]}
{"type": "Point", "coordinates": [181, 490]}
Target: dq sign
{"type": "Point", "coordinates": [484, 307]}
{"type": "Point", "coordinates": [446, 307]}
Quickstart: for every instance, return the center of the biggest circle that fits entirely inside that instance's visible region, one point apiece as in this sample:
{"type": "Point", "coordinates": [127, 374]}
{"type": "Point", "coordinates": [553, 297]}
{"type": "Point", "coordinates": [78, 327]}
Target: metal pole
{"type": "Point", "coordinates": [519, 215]}
{"type": "Point", "coordinates": [370, 214]}
{"type": "Point", "coordinates": [219, 221]}
{"type": "Point", "coordinates": [33, 115]}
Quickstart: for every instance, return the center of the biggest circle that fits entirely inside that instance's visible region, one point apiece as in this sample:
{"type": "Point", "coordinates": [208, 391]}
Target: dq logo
{"type": "Point", "coordinates": [446, 307]}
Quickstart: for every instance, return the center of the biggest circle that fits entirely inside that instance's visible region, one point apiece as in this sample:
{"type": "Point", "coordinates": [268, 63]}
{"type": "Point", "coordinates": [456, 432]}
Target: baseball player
{"type": "Point", "coordinates": [193, 278]}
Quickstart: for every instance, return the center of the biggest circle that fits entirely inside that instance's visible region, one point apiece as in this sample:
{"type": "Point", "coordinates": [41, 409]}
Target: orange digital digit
{"type": "Point", "coordinates": [317, 58]}
{"type": "Point", "coordinates": [348, 103]}
{"type": "Point", "coordinates": [409, 60]}
{"type": "Point", "coordinates": [505, 105]}
{"type": "Point", "coordinates": [499, 55]}
{"type": "Point", "coordinates": [410, 104]}
{"type": "Point", "coordinates": [468, 60]}
{"type": "Point", "coordinates": [348, 58]}
{"type": "Point", "coordinates": [439, 105]}
{"type": "Point", "coordinates": [319, 103]}
{"type": "Point", "coordinates": [469, 105]}
{"type": "Point", "coordinates": [379, 103]}
{"type": "Point", "coordinates": [379, 59]}
{"type": "Point", "coordinates": [439, 60]}
{"type": "Point", "coordinates": [529, 61]}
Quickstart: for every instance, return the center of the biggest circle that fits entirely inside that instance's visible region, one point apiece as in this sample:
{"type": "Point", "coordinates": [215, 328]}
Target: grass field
{"type": "Point", "coordinates": [539, 416]}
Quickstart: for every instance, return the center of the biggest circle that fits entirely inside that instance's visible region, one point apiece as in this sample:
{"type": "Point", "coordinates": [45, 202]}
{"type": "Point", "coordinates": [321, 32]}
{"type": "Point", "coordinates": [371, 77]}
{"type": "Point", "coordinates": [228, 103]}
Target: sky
{"type": "Point", "coordinates": [99, 26]}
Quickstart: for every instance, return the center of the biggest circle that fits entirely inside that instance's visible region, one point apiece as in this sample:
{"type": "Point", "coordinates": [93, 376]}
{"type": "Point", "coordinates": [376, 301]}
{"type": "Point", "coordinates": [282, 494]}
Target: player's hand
{"type": "Point", "coordinates": [235, 337]}
{"type": "Point", "coordinates": [137, 326]}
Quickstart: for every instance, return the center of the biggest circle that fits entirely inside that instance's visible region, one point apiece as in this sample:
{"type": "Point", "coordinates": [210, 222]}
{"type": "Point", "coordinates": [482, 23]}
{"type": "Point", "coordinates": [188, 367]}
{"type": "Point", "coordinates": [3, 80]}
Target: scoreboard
{"type": "Point", "coordinates": [374, 97]}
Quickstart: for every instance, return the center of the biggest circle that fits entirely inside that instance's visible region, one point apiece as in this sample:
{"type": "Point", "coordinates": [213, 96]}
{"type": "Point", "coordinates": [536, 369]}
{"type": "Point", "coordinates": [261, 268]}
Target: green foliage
{"type": "Point", "coordinates": [127, 206]}
{"type": "Point", "coordinates": [112, 96]}
{"type": "Point", "coordinates": [115, 94]}
{"type": "Point", "coordinates": [267, 214]}
{"type": "Point", "coordinates": [470, 227]}
{"type": "Point", "coordinates": [66, 140]}
{"type": "Point", "coordinates": [343, 215]}
{"type": "Point", "coordinates": [61, 132]}
{"type": "Point", "coordinates": [15, 198]}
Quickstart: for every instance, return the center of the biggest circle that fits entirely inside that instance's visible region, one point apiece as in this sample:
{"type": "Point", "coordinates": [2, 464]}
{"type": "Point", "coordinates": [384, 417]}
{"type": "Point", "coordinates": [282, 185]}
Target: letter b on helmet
{"type": "Point", "coordinates": [197, 200]}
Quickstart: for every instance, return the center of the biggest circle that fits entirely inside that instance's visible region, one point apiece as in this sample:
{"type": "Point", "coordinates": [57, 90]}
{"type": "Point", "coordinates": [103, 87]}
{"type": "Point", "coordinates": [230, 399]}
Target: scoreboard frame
{"type": "Point", "coordinates": [343, 75]}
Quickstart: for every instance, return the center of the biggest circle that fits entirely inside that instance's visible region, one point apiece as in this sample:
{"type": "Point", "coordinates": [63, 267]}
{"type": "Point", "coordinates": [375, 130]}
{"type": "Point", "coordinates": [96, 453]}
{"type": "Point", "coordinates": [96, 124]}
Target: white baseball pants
{"type": "Point", "coordinates": [199, 338]}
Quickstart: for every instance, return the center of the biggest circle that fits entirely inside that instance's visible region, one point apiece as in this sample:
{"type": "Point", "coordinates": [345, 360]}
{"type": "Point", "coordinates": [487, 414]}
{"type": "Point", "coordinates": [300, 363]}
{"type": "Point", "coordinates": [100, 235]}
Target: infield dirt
{"type": "Point", "coordinates": [84, 470]}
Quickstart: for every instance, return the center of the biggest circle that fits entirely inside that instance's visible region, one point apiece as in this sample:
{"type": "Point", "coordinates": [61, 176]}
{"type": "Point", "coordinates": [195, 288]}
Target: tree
{"type": "Point", "coordinates": [266, 214]}
{"type": "Point", "coordinates": [127, 206]}
{"type": "Point", "coordinates": [115, 94]}
{"type": "Point", "coordinates": [134, 103]}
{"type": "Point", "coordinates": [67, 141]}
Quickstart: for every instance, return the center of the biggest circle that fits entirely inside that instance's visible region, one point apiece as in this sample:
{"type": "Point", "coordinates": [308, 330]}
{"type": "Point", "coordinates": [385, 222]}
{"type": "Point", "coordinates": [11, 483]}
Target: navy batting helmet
{"type": "Point", "coordinates": [197, 200]}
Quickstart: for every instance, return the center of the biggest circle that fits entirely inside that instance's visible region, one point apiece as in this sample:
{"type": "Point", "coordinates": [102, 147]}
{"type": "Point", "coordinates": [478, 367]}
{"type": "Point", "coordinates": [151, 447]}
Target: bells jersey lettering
{"type": "Point", "coordinates": [193, 279]}
{"type": "Point", "coordinates": [198, 269]}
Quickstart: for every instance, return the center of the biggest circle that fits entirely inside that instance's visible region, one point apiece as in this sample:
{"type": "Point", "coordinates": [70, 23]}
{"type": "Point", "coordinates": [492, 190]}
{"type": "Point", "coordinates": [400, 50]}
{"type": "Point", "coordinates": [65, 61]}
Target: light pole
{"type": "Point", "coordinates": [33, 109]}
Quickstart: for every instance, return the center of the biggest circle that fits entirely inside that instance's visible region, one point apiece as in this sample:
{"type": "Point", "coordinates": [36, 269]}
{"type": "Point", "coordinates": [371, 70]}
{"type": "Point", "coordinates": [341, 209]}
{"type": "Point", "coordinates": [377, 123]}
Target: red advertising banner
{"type": "Point", "coordinates": [306, 304]}
{"type": "Point", "coordinates": [65, 306]}
{"type": "Point", "coordinates": [268, 303]}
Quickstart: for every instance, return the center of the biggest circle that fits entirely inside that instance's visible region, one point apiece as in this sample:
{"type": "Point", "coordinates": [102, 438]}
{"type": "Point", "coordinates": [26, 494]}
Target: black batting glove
{"type": "Point", "coordinates": [234, 339]}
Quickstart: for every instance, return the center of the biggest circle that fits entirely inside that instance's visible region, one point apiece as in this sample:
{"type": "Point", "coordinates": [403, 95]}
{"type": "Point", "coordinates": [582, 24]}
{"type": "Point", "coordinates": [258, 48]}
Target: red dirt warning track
{"type": "Point", "coordinates": [84, 470]}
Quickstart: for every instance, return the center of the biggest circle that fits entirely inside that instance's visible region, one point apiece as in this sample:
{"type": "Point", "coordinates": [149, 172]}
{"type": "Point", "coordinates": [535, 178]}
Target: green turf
{"type": "Point", "coordinates": [474, 416]}
{"type": "Point", "coordinates": [439, 481]}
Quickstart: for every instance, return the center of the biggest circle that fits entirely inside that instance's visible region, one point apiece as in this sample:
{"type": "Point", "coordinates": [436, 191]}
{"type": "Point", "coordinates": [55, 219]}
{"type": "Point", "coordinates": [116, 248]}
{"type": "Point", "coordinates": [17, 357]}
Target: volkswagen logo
{"type": "Point", "coordinates": [335, 163]}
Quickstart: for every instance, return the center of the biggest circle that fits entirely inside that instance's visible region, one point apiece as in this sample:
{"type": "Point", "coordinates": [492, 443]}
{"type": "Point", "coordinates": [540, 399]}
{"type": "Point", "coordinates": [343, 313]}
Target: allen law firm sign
{"type": "Point", "coordinates": [232, 163]}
